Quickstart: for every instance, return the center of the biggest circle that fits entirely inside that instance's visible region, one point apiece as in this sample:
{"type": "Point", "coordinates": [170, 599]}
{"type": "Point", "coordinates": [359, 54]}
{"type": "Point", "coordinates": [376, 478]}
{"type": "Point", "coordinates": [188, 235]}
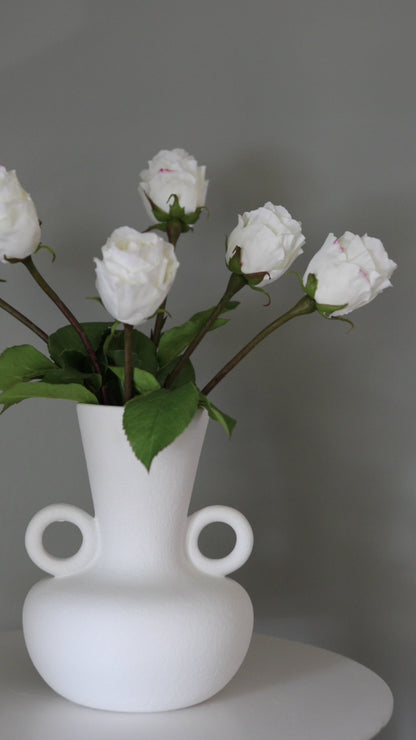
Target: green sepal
{"type": "Point", "coordinates": [176, 211]}
{"type": "Point", "coordinates": [261, 290]}
{"type": "Point", "coordinates": [300, 278]}
{"type": "Point", "coordinates": [159, 227]}
{"type": "Point", "coordinates": [159, 214]}
{"type": "Point", "coordinates": [326, 309]}
{"type": "Point", "coordinates": [214, 413]}
{"type": "Point", "coordinates": [154, 420]}
{"type": "Point", "coordinates": [234, 264]}
{"type": "Point", "coordinates": [39, 389]}
{"type": "Point", "coordinates": [254, 278]}
{"type": "Point", "coordinates": [160, 312]}
{"type": "Point", "coordinates": [346, 321]}
{"type": "Point", "coordinates": [326, 312]}
{"type": "Point", "coordinates": [175, 215]}
{"type": "Point", "coordinates": [21, 364]}
{"type": "Point", "coordinates": [311, 285]}
{"type": "Point", "coordinates": [192, 218]}
{"type": "Point", "coordinates": [49, 249]}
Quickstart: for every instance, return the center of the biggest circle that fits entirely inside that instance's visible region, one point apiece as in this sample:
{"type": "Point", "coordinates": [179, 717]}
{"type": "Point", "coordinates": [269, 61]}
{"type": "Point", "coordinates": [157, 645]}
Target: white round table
{"type": "Point", "coordinates": [284, 691]}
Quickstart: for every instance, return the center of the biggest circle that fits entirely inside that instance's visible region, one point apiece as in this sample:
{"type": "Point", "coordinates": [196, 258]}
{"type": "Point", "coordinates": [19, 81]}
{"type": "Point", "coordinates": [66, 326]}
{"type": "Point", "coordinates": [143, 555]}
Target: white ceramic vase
{"type": "Point", "coordinates": [138, 619]}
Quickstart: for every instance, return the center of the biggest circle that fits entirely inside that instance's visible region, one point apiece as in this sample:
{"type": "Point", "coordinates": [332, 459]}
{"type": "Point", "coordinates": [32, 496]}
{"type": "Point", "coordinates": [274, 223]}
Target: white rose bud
{"type": "Point", "coordinates": [135, 274]}
{"type": "Point", "coordinates": [269, 240]}
{"type": "Point", "coordinates": [170, 173]}
{"type": "Point", "coordinates": [19, 223]}
{"type": "Point", "coordinates": [350, 271]}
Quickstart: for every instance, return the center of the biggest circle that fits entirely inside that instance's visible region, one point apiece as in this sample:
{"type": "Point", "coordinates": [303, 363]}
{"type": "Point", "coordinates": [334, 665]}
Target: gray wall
{"type": "Point", "coordinates": [307, 104]}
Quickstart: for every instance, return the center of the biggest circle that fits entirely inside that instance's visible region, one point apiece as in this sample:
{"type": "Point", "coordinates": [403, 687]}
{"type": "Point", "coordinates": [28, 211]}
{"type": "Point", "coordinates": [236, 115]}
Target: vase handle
{"type": "Point", "coordinates": [61, 513]}
{"type": "Point", "coordinates": [242, 548]}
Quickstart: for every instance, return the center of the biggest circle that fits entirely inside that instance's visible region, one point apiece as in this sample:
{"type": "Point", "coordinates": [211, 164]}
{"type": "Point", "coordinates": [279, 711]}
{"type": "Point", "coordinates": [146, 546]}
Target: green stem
{"type": "Point", "coordinates": [304, 306]}
{"type": "Point", "coordinates": [29, 264]}
{"type": "Point", "coordinates": [235, 283]}
{"type": "Point", "coordinates": [24, 320]}
{"type": "Point", "coordinates": [128, 363]}
{"type": "Point", "coordinates": [173, 230]}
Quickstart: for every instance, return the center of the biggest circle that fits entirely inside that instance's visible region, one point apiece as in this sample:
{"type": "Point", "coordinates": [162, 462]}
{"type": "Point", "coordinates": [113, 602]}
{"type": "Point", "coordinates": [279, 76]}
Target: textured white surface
{"type": "Point", "coordinates": [284, 691]}
{"type": "Point", "coordinates": [138, 619]}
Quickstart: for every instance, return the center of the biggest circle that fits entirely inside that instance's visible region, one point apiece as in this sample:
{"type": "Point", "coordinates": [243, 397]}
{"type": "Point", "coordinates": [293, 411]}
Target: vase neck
{"type": "Point", "coordinates": [141, 515]}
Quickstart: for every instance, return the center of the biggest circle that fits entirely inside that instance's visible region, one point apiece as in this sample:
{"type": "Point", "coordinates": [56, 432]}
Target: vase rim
{"type": "Point", "coordinates": [117, 410]}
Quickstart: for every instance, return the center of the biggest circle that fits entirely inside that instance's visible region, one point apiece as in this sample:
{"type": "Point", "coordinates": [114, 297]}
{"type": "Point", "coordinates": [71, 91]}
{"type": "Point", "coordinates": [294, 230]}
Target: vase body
{"type": "Point", "coordinates": [138, 619]}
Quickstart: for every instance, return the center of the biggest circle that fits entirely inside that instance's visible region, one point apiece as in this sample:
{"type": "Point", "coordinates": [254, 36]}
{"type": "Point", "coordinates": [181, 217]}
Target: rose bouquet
{"type": "Point", "coordinates": [152, 375]}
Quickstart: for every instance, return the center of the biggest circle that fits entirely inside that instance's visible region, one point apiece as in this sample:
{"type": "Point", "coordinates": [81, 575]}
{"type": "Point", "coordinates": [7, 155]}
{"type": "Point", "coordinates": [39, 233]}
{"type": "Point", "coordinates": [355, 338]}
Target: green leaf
{"type": "Point", "coordinates": [67, 339]}
{"type": "Point", "coordinates": [175, 340]}
{"type": "Point", "coordinates": [186, 375]}
{"type": "Point", "coordinates": [68, 392]}
{"type": "Point", "coordinates": [74, 361]}
{"type": "Point", "coordinates": [153, 421]}
{"type": "Point", "coordinates": [22, 363]}
{"type": "Point", "coordinates": [214, 413]}
{"type": "Point", "coordinates": [143, 351]}
{"type": "Point", "coordinates": [71, 375]}
{"type": "Point", "coordinates": [144, 382]}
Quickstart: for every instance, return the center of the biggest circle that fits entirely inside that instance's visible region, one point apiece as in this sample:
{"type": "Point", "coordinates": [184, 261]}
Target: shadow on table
{"type": "Point", "coordinates": [271, 663]}
{"type": "Point", "coordinates": [269, 688]}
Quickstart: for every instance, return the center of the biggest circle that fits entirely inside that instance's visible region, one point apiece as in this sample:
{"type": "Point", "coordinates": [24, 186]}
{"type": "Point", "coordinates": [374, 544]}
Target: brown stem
{"type": "Point", "coordinates": [304, 306]}
{"type": "Point", "coordinates": [235, 283]}
{"type": "Point", "coordinates": [29, 264]}
{"type": "Point", "coordinates": [24, 320]}
{"type": "Point", "coordinates": [159, 324]}
{"type": "Point", "coordinates": [128, 363]}
{"type": "Point", "coordinates": [173, 230]}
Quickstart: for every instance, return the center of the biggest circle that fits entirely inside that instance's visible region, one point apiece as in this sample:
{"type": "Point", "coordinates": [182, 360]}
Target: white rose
{"type": "Point", "coordinates": [135, 274]}
{"type": "Point", "coordinates": [269, 240]}
{"type": "Point", "coordinates": [350, 270]}
{"type": "Point", "coordinates": [170, 173]}
{"type": "Point", "coordinates": [19, 223]}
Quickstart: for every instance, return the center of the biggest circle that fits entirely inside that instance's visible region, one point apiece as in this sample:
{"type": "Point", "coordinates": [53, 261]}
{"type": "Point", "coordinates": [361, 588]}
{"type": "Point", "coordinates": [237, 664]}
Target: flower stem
{"type": "Point", "coordinates": [24, 320]}
{"type": "Point", "coordinates": [29, 264]}
{"type": "Point", "coordinates": [304, 306]}
{"type": "Point", "coordinates": [128, 363]}
{"type": "Point", "coordinates": [235, 283]}
{"type": "Point", "coordinates": [173, 230]}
